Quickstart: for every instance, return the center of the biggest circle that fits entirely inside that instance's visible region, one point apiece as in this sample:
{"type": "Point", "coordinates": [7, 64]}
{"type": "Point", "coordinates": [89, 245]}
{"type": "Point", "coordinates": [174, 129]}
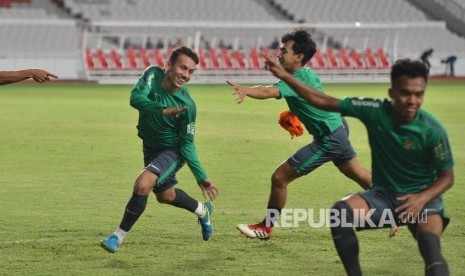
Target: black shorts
{"type": "Point", "coordinates": [382, 200]}
{"type": "Point", "coordinates": [164, 163]}
{"type": "Point", "coordinates": [334, 147]}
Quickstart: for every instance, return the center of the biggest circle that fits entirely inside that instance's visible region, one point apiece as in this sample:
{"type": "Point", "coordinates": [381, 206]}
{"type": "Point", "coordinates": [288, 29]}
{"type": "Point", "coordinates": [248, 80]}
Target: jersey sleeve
{"type": "Point", "coordinates": [140, 93]}
{"type": "Point", "coordinates": [286, 91]}
{"type": "Point", "coordinates": [361, 108]}
{"type": "Point", "coordinates": [188, 150]}
{"type": "Point", "coordinates": [442, 153]}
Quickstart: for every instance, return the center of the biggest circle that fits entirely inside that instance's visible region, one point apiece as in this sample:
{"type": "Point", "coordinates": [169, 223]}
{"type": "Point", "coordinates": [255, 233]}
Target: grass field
{"type": "Point", "coordinates": [69, 155]}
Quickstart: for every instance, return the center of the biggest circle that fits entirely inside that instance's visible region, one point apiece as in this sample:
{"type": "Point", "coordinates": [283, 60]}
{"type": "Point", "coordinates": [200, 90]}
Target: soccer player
{"type": "Point", "coordinates": [168, 143]}
{"type": "Point", "coordinates": [329, 130]}
{"type": "Point", "coordinates": [7, 77]}
{"type": "Point", "coordinates": [412, 165]}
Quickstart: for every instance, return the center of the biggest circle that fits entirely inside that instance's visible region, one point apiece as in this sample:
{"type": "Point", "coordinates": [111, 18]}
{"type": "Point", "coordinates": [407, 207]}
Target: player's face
{"type": "Point", "coordinates": [180, 72]}
{"type": "Point", "coordinates": [407, 97]}
{"type": "Point", "coordinates": [286, 57]}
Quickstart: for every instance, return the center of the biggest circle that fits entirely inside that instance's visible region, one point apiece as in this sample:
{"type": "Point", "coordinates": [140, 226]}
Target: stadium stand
{"type": "Point", "coordinates": [119, 38]}
{"type": "Point", "coordinates": [199, 10]}
{"type": "Point", "coordinates": [350, 11]}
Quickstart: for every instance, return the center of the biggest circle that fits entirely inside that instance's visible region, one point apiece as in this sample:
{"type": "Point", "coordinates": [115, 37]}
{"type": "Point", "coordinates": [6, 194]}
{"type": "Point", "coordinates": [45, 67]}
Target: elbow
{"type": "Point", "coordinates": [133, 101]}
{"type": "Point", "coordinates": [451, 181]}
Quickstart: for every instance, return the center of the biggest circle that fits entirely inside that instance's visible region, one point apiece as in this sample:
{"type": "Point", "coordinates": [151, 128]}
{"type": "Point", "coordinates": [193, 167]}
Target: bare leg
{"type": "Point", "coordinates": [357, 173]}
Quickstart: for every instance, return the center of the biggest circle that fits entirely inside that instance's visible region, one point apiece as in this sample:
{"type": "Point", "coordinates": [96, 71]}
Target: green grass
{"type": "Point", "coordinates": [69, 155]}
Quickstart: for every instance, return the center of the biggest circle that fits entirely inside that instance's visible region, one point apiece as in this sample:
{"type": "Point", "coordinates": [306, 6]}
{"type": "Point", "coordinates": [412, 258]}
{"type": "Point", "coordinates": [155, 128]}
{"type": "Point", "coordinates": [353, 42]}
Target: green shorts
{"type": "Point", "coordinates": [334, 147]}
{"type": "Point", "coordinates": [382, 200]}
{"type": "Point", "coordinates": [164, 163]}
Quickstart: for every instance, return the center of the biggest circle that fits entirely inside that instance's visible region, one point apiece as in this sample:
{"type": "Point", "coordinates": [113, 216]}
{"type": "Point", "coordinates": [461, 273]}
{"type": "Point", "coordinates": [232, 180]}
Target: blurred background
{"type": "Point", "coordinates": [113, 41]}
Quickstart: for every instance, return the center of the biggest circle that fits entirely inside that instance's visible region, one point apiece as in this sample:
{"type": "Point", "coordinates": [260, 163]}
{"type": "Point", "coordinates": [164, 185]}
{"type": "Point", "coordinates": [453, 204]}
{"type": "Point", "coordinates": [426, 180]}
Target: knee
{"type": "Point", "coordinates": [166, 197]}
{"type": "Point", "coordinates": [145, 183]}
{"type": "Point", "coordinates": [342, 209]}
{"type": "Point", "coordinates": [163, 199]}
{"type": "Point", "coordinates": [141, 189]}
{"type": "Point", "coordinates": [278, 180]}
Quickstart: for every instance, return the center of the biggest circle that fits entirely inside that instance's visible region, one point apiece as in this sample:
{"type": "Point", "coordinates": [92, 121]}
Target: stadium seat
{"type": "Point", "coordinates": [370, 59]}
{"type": "Point", "coordinates": [145, 57]}
{"type": "Point", "coordinates": [116, 59]}
{"type": "Point", "coordinates": [203, 64]}
{"type": "Point", "coordinates": [254, 58]}
{"type": "Point", "coordinates": [131, 59]}
{"type": "Point", "coordinates": [102, 59]}
{"type": "Point", "coordinates": [331, 57]}
{"type": "Point", "coordinates": [158, 57]}
{"type": "Point", "coordinates": [214, 59]}
{"type": "Point", "coordinates": [224, 54]}
{"type": "Point", "coordinates": [345, 62]}
{"type": "Point", "coordinates": [238, 57]}
{"type": "Point", "coordinates": [356, 59]}
{"type": "Point", "coordinates": [383, 59]}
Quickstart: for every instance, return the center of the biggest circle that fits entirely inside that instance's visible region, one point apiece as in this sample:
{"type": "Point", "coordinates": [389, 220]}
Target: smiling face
{"type": "Point", "coordinates": [178, 73]}
{"type": "Point", "coordinates": [407, 96]}
{"type": "Point", "coordinates": [290, 61]}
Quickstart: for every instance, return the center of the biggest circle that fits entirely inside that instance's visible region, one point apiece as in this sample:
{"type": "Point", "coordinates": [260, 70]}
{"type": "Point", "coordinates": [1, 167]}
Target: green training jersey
{"type": "Point", "coordinates": [317, 122]}
{"type": "Point", "coordinates": [407, 157]}
{"type": "Point", "coordinates": [159, 131]}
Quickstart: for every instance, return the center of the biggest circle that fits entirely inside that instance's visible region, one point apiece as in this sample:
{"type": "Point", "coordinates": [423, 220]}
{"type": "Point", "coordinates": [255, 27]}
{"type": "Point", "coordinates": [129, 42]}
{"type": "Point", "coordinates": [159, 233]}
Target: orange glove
{"type": "Point", "coordinates": [291, 123]}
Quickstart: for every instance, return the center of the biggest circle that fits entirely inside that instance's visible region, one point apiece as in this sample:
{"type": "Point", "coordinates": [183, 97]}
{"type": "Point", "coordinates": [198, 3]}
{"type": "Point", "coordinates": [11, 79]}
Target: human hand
{"type": "Point", "coordinates": [209, 190]}
{"type": "Point", "coordinates": [409, 210]}
{"type": "Point", "coordinates": [41, 75]}
{"type": "Point", "coordinates": [239, 92]}
{"type": "Point", "coordinates": [273, 66]}
{"type": "Point", "coordinates": [173, 111]}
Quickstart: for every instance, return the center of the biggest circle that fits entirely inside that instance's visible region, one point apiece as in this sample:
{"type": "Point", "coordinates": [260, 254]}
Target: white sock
{"type": "Point", "coordinates": [200, 211]}
{"type": "Point", "coordinates": [121, 234]}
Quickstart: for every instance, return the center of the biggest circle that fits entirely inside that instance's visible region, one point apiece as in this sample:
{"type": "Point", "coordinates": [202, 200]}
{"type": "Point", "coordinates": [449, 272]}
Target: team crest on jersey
{"type": "Point", "coordinates": [440, 152]}
{"type": "Point", "coordinates": [409, 144]}
{"type": "Point", "coordinates": [191, 128]}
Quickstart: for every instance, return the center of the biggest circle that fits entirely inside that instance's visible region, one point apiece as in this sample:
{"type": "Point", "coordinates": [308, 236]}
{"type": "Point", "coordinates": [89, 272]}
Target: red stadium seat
{"type": "Point", "coordinates": [115, 57]}
{"type": "Point", "coordinates": [203, 64]}
{"type": "Point", "coordinates": [370, 59]}
{"type": "Point", "coordinates": [345, 62]}
{"type": "Point", "coordinates": [226, 59]}
{"type": "Point", "coordinates": [237, 56]}
{"type": "Point", "coordinates": [158, 57]}
{"type": "Point", "coordinates": [383, 59]}
{"type": "Point", "coordinates": [131, 59]}
{"type": "Point", "coordinates": [89, 60]}
{"type": "Point", "coordinates": [145, 57]}
{"type": "Point", "coordinates": [102, 59]}
{"type": "Point", "coordinates": [356, 59]}
{"type": "Point", "coordinates": [318, 60]}
{"type": "Point", "coordinates": [254, 58]}
{"type": "Point", "coordinates": [214, 59]}
{"type": "Point", "coordinates": [331, 57]}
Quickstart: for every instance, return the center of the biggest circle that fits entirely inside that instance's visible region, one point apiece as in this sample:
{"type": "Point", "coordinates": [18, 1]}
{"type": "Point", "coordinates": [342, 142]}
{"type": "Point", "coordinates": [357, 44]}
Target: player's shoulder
{"type": "Point", "coordinates": [366, 102]}
{"type": "Point", "coordinates": [306, 73]}
{"type": "Point", "coordinates": [308, 76]}
{"type": "Point", "coordinates": [153, 70]}
{"type": "Point", "coordinates": [428, 121]}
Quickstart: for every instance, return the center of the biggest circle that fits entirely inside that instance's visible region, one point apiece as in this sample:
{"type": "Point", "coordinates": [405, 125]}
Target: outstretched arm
{"type": "Point", "coordinates": [257, 92]}
{"type": "Point", "coordinates": [310, 94]}
{"type": "Point", "coordinates": [38, 75]}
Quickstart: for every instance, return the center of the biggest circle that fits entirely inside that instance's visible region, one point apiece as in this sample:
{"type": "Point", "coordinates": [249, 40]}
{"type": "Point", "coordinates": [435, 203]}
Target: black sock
{"type": "Point", "coordinates": [271, 216]}
{"type": "Point", "coordinates": [184, 201]}
{"type": "Point", "coordinates": [134, 209]}
{"type": "Point", "coordinates": [430, 249]}
{"type": "Point", "coordinates": [345, 240]}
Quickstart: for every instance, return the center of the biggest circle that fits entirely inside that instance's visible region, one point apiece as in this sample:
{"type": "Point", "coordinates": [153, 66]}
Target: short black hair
{"type": "Point", "coordinates": [303, 43]}
{"type": "Point", "coordinates": [182, 49]}
{"type": "Point", "coordinates": [410, 68]}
